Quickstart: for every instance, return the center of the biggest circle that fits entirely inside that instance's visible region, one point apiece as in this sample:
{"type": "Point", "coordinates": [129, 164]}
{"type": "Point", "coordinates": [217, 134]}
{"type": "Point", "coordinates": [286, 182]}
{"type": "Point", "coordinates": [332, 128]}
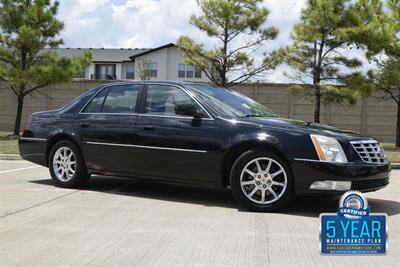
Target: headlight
{"type": "Point", "coordinates": [328, 149]}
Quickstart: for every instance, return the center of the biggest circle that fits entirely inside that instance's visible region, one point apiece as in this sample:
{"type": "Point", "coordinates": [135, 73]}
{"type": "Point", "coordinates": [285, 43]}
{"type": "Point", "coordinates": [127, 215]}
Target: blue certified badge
{"type": "Point", "coordinates": [353, 229]}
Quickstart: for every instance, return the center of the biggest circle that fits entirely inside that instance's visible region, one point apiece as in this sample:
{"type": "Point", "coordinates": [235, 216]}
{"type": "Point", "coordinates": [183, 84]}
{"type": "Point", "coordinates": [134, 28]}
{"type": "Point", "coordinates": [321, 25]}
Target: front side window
{"type": "Point", "coordinates": [121, 99]}
{"type": "Point", "coordinates": [168, 100]}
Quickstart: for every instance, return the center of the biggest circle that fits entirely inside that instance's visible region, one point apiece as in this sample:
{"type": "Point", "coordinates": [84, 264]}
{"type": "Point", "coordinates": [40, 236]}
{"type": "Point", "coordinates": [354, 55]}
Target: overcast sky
{"type": "Point", "coordinates": [146, 23]}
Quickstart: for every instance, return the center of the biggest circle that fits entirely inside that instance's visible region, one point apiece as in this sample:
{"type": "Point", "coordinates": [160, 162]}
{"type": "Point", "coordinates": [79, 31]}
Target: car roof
{"type": "Point", "coordinates": [181, 83]}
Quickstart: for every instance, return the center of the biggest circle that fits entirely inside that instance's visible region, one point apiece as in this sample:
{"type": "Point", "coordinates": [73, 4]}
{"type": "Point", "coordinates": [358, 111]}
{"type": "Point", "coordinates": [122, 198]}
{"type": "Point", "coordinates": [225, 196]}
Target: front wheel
{"type": "Point", "coordinates": [66, 165]}
{"type": "Point", "coordinates": [261, 181]}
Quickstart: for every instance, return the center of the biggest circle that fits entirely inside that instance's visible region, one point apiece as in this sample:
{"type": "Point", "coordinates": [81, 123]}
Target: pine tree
{"type": "Point", "coordinates": [319, 53]}
{"type": "Point", "coordinates": [381, 38]}
{"type": "Point", "coordinates": [237, 27]}
{"type": "Point", "coordinates": [386, 81]}
{"type": "Point", "coordinates": [28, 31]}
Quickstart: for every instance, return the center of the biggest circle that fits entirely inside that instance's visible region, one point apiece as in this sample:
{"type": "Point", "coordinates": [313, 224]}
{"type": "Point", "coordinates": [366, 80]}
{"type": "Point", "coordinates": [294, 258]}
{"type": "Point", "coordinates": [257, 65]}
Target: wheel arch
{"type": "Point", "coordinates": [54, 138]}
{"type": "Point", "coordinates": [236, 150]}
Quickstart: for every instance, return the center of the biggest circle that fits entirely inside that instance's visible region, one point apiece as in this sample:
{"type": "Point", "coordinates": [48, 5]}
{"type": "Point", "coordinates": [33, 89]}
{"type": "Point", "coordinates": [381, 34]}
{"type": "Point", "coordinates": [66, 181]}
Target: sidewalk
{"type": "Point", "coordinates": [10, 157]}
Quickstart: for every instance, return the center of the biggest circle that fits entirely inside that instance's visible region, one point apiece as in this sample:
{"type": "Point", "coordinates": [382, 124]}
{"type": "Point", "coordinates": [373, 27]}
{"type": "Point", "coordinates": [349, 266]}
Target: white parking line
{"type": "Point", "coordinates": [20, 169]}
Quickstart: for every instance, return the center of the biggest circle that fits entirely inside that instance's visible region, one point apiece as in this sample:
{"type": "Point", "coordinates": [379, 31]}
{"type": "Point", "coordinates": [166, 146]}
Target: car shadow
{"type": "Point", "coordinates": [312, 206]}
{"type": "Point", "coordinates": [306, 206]}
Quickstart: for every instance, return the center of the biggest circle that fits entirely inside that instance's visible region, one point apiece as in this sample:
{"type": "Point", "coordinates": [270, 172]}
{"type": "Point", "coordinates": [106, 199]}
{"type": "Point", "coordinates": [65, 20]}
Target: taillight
{"type": "Point", "coordinates": [27, 120]}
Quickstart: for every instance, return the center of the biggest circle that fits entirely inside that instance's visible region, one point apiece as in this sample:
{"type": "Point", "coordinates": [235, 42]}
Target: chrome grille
{"type": "Point", "coordinates": [369, 151]}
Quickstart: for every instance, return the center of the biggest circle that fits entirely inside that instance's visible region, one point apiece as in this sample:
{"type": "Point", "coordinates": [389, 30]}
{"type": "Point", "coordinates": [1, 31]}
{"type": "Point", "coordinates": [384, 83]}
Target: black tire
{"type": "Point", "coordinates": [240, 196]}
{"type": "Point", "coordinates": [81, 175]}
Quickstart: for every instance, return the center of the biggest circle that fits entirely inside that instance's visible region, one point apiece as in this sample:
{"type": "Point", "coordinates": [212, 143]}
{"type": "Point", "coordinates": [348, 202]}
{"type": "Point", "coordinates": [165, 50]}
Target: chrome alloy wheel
{"type": "Point", "coordinates": [263, 180]}
{"type": "Point", "coordinates": [64, 164]}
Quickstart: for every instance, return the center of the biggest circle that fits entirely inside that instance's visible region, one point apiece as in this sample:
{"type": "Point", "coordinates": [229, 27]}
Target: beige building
{"type": "Point", "coordinates": [160, 63]}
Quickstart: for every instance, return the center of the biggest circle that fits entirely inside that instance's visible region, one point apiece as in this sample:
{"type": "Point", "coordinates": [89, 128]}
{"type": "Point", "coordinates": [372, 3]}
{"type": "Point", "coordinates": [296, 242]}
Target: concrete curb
{"type": "Point", "coordinates": [396, 166]}
{"type": "Point", "coordinates": [10, 157]}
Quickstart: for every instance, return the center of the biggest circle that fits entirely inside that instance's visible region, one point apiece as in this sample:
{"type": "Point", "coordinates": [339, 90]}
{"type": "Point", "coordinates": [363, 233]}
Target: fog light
{"type": "Point", "coordinates": [331, 185]}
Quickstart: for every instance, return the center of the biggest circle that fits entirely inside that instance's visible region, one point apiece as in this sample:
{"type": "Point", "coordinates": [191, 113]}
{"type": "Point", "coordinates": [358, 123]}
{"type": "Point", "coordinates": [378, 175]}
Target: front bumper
{"type": "Point", "coordinates": [363, 177]}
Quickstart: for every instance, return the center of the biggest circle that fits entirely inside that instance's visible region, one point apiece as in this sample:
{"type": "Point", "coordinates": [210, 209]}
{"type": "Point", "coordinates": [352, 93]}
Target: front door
{"type": "Point", "coordinates": [105, 71]}
{"type": "Point", "coordinates": [107, 129]}
{"type": "Point", "coordinates": [174, 145]}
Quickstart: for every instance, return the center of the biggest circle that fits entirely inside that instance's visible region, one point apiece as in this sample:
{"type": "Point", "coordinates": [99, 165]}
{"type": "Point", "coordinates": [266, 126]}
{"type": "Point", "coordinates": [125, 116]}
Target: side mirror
{"type": "Point", "coordinates": [187, 110]}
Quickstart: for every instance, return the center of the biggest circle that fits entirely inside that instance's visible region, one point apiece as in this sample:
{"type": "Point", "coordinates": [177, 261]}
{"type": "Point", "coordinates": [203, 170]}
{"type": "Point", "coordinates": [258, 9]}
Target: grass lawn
{"type": "Point", "coordinates": [393, 156]}
{"type": "Point", "coordinates": [9, 145]}
{"type": "Point", "coordinates": [392, 152]}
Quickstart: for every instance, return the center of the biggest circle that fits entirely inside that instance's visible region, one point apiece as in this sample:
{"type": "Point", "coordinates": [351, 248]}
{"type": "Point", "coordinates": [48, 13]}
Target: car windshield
{"type": "Point", "coordinates": [230, 104]}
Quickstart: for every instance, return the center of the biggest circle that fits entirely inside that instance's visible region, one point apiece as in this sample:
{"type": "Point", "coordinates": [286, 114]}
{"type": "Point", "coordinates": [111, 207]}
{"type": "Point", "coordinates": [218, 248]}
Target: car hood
{"type": "Point", "coordinates": [302, 126]}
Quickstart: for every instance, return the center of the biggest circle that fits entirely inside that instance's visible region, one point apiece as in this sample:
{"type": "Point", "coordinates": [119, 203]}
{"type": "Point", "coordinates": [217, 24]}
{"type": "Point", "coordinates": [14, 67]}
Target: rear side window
{"type": "Point", "coordinates": [95, 105]}
{"type": "Point", "coordinates": [121, 99]}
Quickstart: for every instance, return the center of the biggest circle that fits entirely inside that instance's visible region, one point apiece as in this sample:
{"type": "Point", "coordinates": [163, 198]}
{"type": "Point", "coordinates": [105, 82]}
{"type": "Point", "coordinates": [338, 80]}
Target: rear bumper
{"type": "Point", "coordinates": [33, 149]}
{"type": "Point", "coordinates": [363, 177]}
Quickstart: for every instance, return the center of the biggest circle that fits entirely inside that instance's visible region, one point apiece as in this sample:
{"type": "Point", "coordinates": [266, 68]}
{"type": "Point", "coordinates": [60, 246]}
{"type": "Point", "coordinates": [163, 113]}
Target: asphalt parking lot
{"type": "Point", "coordinates": [119, 222]}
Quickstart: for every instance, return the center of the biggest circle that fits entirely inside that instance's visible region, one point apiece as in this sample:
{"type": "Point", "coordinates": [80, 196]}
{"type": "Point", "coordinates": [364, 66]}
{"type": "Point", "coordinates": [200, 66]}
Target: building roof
{"type": "Point", "coordinates": [148, 51]}
{"type": "Point", "coordinates": [102, 54]}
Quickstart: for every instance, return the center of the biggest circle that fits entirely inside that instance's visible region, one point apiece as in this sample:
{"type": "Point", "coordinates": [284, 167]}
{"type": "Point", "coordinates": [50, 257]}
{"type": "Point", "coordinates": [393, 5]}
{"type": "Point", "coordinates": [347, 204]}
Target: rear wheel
{"type": "Point", "coordinates": [66, 165]}
{"type": "Point", "coordinates": [261, 181]}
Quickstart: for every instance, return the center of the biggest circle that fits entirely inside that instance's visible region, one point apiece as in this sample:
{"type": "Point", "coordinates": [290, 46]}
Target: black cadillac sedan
{"type": "Point", "coordinates": [204, 135]}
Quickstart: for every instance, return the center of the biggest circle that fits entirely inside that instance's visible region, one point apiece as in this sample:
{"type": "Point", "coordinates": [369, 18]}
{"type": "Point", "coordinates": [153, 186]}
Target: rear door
{"type": "Point", "coordinates": [171, 145]}
{"type": "Point", "coordinates": [107, 129]}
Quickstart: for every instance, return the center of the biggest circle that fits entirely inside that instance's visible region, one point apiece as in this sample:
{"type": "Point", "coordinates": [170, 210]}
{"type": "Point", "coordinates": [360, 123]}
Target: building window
{"type": "Point", "coordinates": [189, 71]}
{"type": "Point", "coordinates": [151, 70]}
{"type": "Point", "coordinates": [81, 74]}
{"type": "Point", "coordinates": [181, 70]}
{"type": "Point", "coordinates": [130, 72]}
{"type": "Point", "coordinates": [105, 72]}
{"type": "Point", "coordinates": [197, 72]}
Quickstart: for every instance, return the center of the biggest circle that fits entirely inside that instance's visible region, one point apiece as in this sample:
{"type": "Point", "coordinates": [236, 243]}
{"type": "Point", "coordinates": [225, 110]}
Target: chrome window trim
{"type": "Point", "coordinates": [150, 115]}
{"type": "Point", "coordinates": [148, 147]}
{"type": "Point", "coordinates": [105, 113]}
{"type": "Point", "coordinates": [170, 116]}
{"type": "Point", "coordinates": [189, 94]}
{"type": "Point", "coordinates": [32, 139]}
